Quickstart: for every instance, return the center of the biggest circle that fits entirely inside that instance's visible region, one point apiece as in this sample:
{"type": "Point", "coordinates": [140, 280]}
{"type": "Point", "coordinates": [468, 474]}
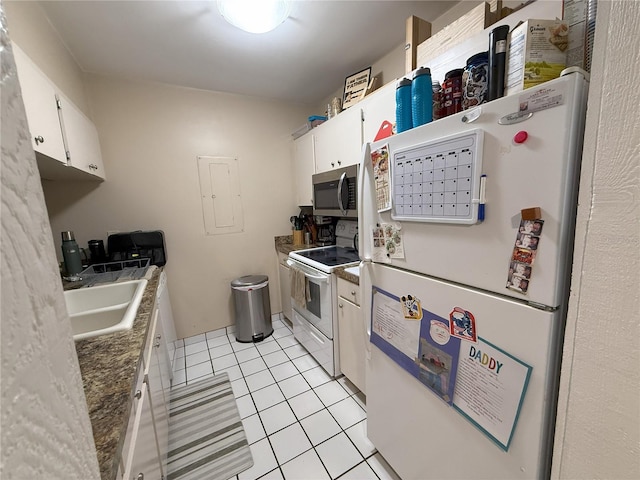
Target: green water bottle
{"type": "Point", "coordinates": [71, 254]}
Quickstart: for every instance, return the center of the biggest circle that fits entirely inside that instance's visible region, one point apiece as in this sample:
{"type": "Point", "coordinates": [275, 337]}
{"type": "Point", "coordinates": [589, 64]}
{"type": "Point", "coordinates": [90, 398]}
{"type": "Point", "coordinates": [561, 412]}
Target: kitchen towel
{"type": "Point", "coordinates": [299, 288]}
{"type": "Point", "coordinates": [206, 437]}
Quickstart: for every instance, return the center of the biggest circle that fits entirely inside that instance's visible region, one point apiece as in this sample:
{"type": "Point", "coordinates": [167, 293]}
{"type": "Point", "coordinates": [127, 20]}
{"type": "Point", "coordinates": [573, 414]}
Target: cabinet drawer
{"type": "Point", "coordinates": [349, 290]}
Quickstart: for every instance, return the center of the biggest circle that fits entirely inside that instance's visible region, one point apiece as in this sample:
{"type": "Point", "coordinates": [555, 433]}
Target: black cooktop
{"type": "Point", "coordinates": [331, 256]}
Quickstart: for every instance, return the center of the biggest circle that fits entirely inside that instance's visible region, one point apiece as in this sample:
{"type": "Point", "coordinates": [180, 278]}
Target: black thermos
{"type": "Point", "coordinates": [497, 61]}
{"type": "Point", "coordinates": [98, 255]}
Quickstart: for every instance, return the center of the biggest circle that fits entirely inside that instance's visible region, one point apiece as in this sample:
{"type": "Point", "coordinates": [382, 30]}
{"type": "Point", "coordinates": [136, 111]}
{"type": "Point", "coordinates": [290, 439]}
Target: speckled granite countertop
{"type": "Point", "coordinates": [109, 365]}
{"type": "Point", "coordinates": [349, 277]}
{"type": "Point", "coordinates": [285, 245]}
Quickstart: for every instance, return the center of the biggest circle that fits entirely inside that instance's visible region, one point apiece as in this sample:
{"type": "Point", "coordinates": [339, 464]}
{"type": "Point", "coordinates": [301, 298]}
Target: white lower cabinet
{"type": "Point", "coordinates": [143, 461]}
{"type": "Point", "coordinates": [285, 286]}
{"type": "Point", "coordinates": [353, 336]}
{"type": "Point", "coordinates": [157, 378]}
{"type": "Point", "coordinates": [146, 445]}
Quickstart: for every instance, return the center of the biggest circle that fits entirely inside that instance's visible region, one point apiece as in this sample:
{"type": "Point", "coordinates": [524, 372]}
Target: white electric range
{"type": "Point", "coordinates": [315, 319]}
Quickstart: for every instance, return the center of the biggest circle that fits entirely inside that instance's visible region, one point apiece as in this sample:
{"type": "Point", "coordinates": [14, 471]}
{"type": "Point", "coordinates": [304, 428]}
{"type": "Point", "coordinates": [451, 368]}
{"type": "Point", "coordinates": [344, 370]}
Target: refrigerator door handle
{"type": "Point", "coordinates": [362, 234]}
{"type": "Point", "coordinates": [365, 296]}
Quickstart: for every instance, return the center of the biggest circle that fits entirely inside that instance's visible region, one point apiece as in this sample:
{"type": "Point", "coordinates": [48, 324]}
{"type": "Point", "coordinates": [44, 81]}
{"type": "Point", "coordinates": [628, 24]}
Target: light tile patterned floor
{"type": "Point", "coordinates": [300, 423]}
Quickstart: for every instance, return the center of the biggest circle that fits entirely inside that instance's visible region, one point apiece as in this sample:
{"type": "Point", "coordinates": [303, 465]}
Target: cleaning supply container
{"type": "Point", "coordinates": [252, 308]}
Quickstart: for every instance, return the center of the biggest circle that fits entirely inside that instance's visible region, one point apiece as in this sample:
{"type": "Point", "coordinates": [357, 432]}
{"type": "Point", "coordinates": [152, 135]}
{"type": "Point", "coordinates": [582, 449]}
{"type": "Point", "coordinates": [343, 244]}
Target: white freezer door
{"type": "Point", "coordinates": [420, 435]}
{"type": "Point", "coordinates": [541, 172]}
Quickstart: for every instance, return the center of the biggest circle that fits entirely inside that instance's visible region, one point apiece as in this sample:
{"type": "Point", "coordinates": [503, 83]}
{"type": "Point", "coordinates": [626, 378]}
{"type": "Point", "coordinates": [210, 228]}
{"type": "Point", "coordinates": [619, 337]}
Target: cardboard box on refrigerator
{"type": "Point", "coordinates": [580, 16]}
{"type": "Point", "coordinates": [537, 53]}
{"type": "Point", "coordinates": [469, 24]}
{"type": "Point", "coordinates": [418, 30]}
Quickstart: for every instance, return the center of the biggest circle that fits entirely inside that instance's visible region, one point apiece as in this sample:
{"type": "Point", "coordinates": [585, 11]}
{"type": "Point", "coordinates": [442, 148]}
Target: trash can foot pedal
{"type": "Point", "coordinates": [258, 338]}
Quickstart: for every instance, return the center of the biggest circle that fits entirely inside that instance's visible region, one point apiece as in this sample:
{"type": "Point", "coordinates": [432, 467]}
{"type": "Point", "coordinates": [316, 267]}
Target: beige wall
{"type": "Point", "coordinates": [30, 28]}
{"type": "Point", "coordinates": [598, 426]}
{"type": "Point", "coordinates": [45, 425]}
{"type": "Point", "coordinates": [150, 137]}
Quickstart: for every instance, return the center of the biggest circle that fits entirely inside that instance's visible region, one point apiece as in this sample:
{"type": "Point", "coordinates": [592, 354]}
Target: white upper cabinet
{"type": "Point", "coordinates": [65, 139]}
{"type": "Point", "coordinates": [303, 168]}
{"type": "Point", "coordinates": [338, 141]}
{"type": "Point", "coordinates": [380, 106]}
{"type": "Point", "coordinates": [39, 96]}
{"type": "Point", "coordinates": [81, 139]}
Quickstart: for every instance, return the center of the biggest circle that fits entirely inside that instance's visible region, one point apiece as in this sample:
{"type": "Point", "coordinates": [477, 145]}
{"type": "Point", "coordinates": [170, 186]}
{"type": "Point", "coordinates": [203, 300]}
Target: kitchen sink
{"type": "Point", "coordinates": [103, 309]}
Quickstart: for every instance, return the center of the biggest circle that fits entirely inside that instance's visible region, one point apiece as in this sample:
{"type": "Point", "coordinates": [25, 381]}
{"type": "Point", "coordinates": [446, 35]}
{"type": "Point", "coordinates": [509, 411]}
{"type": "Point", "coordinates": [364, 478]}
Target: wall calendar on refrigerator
{"type": "Point", "coordinates": [439, 181]}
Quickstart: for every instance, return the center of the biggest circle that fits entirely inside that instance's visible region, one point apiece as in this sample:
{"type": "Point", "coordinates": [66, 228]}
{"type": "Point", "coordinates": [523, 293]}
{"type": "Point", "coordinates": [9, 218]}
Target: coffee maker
{"type": "Point", "coordinates": [326, 235]}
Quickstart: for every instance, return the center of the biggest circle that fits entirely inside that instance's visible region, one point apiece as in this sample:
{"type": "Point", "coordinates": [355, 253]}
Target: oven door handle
{"type": "Point", "coordinates": [308, 275]}
{"type": "Point", "coordinates": [340, 185]}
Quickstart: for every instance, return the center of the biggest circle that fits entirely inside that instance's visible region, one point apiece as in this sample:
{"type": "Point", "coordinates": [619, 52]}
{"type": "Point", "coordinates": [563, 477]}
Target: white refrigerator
{"type": "Point", "coordinates": [465, 235]}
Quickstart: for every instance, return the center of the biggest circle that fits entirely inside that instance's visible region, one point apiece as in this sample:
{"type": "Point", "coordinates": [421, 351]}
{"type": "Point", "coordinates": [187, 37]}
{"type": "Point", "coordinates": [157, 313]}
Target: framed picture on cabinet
{"type": "Point", "coordinates": [355, 87]}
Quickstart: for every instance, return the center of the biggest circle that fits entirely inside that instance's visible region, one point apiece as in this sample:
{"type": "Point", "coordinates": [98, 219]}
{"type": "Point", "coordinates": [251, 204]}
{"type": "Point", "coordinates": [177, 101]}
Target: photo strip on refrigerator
{"type": "Point", "coordinates": [524, 255]}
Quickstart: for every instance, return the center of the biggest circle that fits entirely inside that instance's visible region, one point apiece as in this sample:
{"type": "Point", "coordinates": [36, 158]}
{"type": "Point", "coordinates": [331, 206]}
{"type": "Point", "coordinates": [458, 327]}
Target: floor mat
{"type": "Point", "coordinates": [206, 437]}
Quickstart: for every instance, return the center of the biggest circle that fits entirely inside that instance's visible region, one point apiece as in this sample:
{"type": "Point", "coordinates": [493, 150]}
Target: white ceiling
{"type": "Point", "coordinates": [187, 43]}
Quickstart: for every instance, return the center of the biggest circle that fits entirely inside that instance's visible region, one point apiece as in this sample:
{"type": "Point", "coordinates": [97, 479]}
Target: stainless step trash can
{"type": "Point", "coordinates": [252, 308]}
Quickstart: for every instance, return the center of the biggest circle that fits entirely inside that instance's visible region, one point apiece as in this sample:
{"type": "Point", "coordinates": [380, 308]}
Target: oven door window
{"type": "Point", "coordinates": [314, 305]}
{"type": "Point", "coordinates": [317, 310]}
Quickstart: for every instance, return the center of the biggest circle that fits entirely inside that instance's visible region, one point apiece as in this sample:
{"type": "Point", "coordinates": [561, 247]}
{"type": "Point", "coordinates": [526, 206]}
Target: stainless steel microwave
{"type": "Point", "coordinates": [335, 192]}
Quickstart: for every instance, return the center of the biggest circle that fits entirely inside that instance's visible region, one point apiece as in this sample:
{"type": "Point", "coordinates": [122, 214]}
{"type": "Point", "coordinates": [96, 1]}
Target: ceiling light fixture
{"type": "Point", "coordinates": [255, 16]}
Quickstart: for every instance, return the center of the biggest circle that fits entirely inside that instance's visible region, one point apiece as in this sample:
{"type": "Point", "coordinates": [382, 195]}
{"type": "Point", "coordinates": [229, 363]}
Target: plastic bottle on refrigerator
{"type": "Point", "coordinates": [421, 97]}
{"type": "Point", "coordinates": [436, 89]}
{"type": "Point", "coordinates": [403, 106]}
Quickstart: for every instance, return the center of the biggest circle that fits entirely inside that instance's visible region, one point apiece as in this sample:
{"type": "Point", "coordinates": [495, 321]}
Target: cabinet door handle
{"type": "Point", "coordinates": [140, 476]}
{"type": "Point", "coordinates": [39, 139]}
{"type": "Point", "coordinates": [339, 305]}
{"type": "Point", "coordinates": [353, 292]}
{"type": "Point", "coordinates": [138, 394]}
{"type": "Point", "coordinates": [339, 162]}
{"type": "Point", "coordinates": [333, 164]}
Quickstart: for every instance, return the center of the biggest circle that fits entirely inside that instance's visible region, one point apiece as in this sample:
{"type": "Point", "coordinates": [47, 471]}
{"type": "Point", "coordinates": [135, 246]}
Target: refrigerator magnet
{"type": "Point", "coordinates": [380, 161]}
{"type": "Point", "coordinates": [439, 332]}
{"type": "Point", "coordinates": [524, 253]}
{"type": "Point", "coordinates": [411, 307]}
{"type": "Point", "coordinates": [379, 244]}
{"type": "Point", "coordinates": [393, 240]}
{"type": "Point", "coordinates": [462, 324]}
{"type": "Point", "coordinates": [542, 98]}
